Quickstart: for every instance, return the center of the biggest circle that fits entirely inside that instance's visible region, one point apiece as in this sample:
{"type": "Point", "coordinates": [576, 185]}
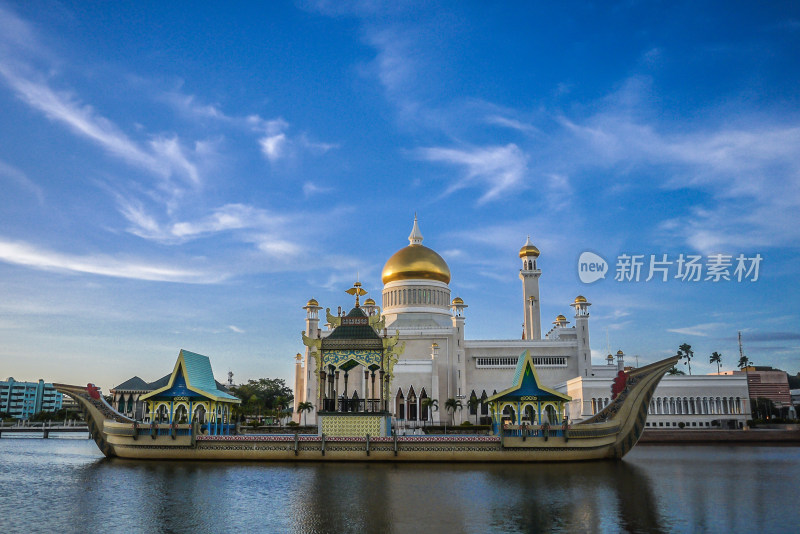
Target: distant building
{"type": "Point", "coordinates": [767, 383]}
{"type": "Point", "coordinates": [697, 401]}
{"type": "Point", "coordinates": [25, 399]}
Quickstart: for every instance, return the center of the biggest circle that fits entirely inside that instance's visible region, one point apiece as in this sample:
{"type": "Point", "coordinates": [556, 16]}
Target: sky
{"type": "Point", "coordinates": [178, 175]}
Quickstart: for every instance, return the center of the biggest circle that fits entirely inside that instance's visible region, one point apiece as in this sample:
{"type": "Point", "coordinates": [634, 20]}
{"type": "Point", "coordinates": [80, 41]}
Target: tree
{"type": "Point", "coordinates": [715, 357]}
{"type": "Point", "coordinates": [685, 351]}
{"type": "Point", "coordinates": [432, 405]}
{"type": "Point", "coordinates": [451, 405]}
{"type": "Point", "coordinates": [304, 407]}
{"type": "Point", "coordinates": [473, 404]}
{"type": "Point", "coordinates": [266, 392]}
{"type": "Point", "coordinates": [675, 371]}
{"type": "Point", "coordinates": [744, 361]}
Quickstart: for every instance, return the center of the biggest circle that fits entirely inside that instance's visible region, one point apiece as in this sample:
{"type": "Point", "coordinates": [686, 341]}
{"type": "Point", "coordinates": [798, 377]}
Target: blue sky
{"type": "Point", "coordinates": [177, 177]}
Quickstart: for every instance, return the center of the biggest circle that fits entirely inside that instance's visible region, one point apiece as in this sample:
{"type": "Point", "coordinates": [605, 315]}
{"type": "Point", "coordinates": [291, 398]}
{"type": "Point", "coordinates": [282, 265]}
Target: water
{"type": "Point", "coordinates": [65, 485]}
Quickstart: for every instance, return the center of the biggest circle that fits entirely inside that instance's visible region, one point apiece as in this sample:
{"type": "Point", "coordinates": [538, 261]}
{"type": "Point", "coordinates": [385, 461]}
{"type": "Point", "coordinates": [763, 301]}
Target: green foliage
{"type": "Point", "coordinates": [451, 405]}
{"type": "Point", "coordinates": [675, 371]}
{"type": "Point", "coordinates": [715, 357]}
{"type": "Point", "coordinates": [58, 415]}
{"type": "Point", "coordinates": [681, 425]}
{"type": "Point", "coordinates": [263, 395]}
{"type": "Point", "coordinates": [466, 423]}
{"type": "Point", "coordinates": [292, 423]}
{"type": "Point", "coordinates": [686, 353]}
{"type": "Point", "coordinates": [744, 361]}
{"type": "Point", "coordinates": [794, 381]}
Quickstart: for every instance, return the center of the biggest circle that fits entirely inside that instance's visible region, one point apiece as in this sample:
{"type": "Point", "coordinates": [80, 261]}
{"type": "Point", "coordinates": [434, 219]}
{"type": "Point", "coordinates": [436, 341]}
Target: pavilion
{"type": "Point", "coordinates": [527, 402]}
{"type": "Point", "coordinates": [191, 395]}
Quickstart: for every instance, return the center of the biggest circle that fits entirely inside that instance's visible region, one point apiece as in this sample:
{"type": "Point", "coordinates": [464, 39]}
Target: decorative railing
{"type": "Point", "coordinates": [345, 405]}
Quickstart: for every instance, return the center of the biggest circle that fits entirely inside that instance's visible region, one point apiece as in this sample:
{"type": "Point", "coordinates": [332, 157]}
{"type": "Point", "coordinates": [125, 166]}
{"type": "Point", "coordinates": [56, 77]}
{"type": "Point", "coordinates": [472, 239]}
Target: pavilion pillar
{"type": "Point", "coordinates": [539, 411]}
{"type": "Point", "coordinates": [373, 391]}
{"type": "Point", "coordinates": [321, 393]}
{"type": "Point", "coordinates": [346, 374]}
{"type": "Point", "coordinates": [171, 410]}
{"type": "Point", "coordinates": [383, 394]}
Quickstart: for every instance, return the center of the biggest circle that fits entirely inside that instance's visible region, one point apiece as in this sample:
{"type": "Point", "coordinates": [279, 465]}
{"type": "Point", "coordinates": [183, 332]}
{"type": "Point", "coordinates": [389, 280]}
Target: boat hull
{"type": "Point", "coordinates": [610, 434]}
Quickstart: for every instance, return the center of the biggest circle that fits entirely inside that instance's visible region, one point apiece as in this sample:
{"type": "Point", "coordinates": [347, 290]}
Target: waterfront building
{"type": "Point", "coordinates": [25, 399]}
{"type": "Point", "coordinates": [440, 362]}
{"type": "Point", "coordinates": [697, 401]}
{"type": "Point", "coordinates": [767, 383]}
{"type": "Point", "coordinates": [191, 395]}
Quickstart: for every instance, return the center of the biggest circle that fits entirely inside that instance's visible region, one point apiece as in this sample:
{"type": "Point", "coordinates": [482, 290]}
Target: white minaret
{"type": "Point", "coordinates": [529, 274]}
{"type": "Point", "coordinates": [461, 361]}
{"type": "Point", "coordinates": [307, 386]}
{"type": "Point", "coordinates": [581, 306]}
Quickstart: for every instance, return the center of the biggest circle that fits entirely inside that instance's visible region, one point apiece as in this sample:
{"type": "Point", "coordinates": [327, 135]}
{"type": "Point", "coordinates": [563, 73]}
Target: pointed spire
{"type": "Point", "coordinates": [416, 237]}
{"type": "Point", "coordinates": [528, 242]}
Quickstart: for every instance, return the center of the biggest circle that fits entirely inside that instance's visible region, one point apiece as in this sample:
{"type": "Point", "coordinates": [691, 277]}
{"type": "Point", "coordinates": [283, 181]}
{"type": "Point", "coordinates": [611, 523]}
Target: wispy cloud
{"type": "Point", "coordinates": [20, 253]}
{"type": "Point", "coordinates": [702, 330]}
{"type": "Point", "coordinates": [21, 180]}
{"type": "Point", "coordinates": [500, 169]}
{"type": "Point", "coordinates": [236, 329]}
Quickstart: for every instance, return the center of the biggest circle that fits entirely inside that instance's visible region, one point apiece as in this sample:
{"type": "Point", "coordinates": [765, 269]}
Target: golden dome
{"type": "Point", "coordinates": [312, 302]}
{"type": "Point", "coordinates": [580, 299]}
{"type": "Point", "coordinates": [528, 249]}
{"type": "Point", "coordinates": [415, 262]}
{"type": "Point", "coordinates": [369, 302]}
{"type": "Point", "coordinates": [619, 352]}
{"type": "Point", "coordinates": [458, 301]}
{"type": "Point", "coordinates": [561, 318]}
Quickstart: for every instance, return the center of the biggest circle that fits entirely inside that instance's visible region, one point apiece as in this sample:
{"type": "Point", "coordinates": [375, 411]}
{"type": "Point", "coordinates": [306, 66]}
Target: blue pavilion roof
{"type": "Point", "coordinates": [192, 373]}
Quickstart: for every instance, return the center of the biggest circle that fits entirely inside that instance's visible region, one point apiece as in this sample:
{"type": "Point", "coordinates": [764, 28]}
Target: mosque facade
{"type": "Point", "coordinates": [433, 358]}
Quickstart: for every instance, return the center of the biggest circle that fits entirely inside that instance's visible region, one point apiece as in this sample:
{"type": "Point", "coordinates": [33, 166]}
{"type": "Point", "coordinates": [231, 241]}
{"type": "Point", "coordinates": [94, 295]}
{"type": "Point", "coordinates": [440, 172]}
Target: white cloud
{"type": "Point", "coordinates": [236, 329]}
{"type": "Point", "coordinates": [702, 330]}
{"type": "Point", "coordinates": [500, 169]}
{"type": "Point", "coordinates": [310, 188]}
{"type": "Point", "coordinates": [273, 146]}
{"type": "Point", "coordinates": [20, 253]}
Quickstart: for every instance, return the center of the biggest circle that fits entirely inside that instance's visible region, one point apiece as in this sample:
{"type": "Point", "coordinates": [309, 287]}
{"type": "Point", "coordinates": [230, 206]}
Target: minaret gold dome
{"type": "Point", "coordinates": [528, 249]}
{"type": "Point", "coordinates": [415, 262]}
{"type": "Point", "coordinates": [580, 299]}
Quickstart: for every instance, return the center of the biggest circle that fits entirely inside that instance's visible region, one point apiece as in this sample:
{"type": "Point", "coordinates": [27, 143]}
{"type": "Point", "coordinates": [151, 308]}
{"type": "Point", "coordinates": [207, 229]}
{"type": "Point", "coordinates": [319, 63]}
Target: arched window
{"type": "Point", "coordinates": [412, 404]}
{"type": "Point", "coordinates": [509, 416]}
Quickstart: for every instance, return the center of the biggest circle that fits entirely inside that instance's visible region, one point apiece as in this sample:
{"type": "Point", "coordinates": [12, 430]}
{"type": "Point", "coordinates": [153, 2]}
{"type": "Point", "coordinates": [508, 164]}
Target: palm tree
{"type": "Point", "coordinates": [675, 371]}
{"type": "Point", "coordinates": [304, 407]}
{"type": "Point", "coordinates": [451, 405]}
{"type": "Point", "coordinates": [685, 351]}
{"type": "Point", "coordinates": [473, 404]}
{"type": "Point", "coordinates": [744, 361]}
{"type": "Point", "coordinates": [715, 357]}
{"type": "Point", "coordinates": [432, 405]}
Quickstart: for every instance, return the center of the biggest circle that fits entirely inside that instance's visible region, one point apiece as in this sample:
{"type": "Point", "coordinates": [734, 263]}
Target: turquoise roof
{"type": "Point", "coordinates": [526, 383]}
{"type": "Point", "coordinates": [196, 370]}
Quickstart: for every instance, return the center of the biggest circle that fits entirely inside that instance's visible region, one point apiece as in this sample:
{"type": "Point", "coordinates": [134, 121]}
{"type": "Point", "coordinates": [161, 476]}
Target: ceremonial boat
{"type": "Point", "coordinates": [609, 434]}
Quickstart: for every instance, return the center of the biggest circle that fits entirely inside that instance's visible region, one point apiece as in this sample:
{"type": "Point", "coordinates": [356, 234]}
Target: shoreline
{"type": "Point", "coordinates": [752, 436]}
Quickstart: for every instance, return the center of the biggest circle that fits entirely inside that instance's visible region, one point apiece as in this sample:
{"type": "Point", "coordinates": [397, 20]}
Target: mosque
{"type": "Point", "coordinates": [430, 357]}
{"type": "Point", "coordinates": [437, 360]}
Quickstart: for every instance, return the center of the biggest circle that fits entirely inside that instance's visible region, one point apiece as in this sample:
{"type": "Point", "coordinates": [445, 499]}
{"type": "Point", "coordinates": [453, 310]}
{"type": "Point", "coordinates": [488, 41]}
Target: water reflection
{"type": "Point", "coordinates": [656, 489]}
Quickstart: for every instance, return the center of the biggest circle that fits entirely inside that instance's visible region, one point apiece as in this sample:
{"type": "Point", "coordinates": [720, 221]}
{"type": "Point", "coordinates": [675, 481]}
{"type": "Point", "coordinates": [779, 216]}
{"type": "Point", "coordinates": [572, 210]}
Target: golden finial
{"type": "Point", "coordinates": [357, 291]}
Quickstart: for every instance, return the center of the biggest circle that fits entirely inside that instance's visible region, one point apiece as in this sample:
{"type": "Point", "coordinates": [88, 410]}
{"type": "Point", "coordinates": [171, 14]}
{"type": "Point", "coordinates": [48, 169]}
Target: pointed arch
{"type": "Point", "coordinates": [400, 404]}
{"type": "Point", "coordinates": [411, 404]}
